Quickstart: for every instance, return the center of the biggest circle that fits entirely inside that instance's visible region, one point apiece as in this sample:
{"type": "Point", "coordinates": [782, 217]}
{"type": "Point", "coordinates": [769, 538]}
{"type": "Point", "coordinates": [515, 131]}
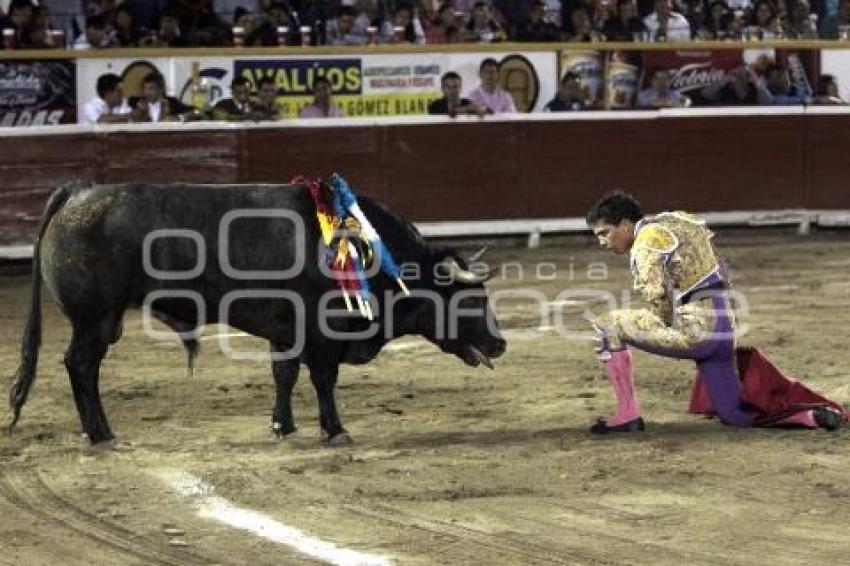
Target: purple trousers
{"type": "Point", "coordinates": [713, 349]}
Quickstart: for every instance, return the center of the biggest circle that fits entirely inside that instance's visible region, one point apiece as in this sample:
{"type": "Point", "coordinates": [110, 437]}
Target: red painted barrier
{"type": "Point", "coordinates": [470, 170]}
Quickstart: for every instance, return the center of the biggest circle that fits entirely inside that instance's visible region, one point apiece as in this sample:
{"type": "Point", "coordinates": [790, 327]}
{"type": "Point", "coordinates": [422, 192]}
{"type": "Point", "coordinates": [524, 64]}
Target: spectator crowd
{"type": "Point", "coordinates": [741, 86]}
{"type": "Point", "coordinates": [97, 24]}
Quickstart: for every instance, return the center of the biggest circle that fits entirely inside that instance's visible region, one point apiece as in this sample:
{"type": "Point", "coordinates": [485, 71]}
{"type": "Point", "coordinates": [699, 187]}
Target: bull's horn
{"type": "Point", "coordinates": [480, 356]}
{"type": "Point", "coordinates": [477, 255]}
{"type": "Point", "coordinates": [464, 275]}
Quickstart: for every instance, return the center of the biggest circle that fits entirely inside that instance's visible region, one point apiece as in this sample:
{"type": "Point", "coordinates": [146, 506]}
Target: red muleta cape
{"type": "Point", "coordinates": [767, 390]}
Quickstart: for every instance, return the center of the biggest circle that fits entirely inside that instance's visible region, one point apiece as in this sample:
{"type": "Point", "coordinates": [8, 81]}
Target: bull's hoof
{"type": "Point", "coordinates": [281, 430]}
{"type": "Point", "coordinates": [340, 439]}
{"type": "Point", "coordinates": [110, 445]}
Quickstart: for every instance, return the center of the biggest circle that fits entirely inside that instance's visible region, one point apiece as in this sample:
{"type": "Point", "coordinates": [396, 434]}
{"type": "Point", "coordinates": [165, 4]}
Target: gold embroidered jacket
{"type": "Point", "coordinates": [672, 254]}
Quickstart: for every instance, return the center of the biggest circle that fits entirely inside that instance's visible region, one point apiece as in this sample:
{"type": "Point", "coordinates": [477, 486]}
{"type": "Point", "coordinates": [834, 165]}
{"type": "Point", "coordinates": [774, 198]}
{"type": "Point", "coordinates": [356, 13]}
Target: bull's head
{"type": "Point", "coordinates": [458, 317]}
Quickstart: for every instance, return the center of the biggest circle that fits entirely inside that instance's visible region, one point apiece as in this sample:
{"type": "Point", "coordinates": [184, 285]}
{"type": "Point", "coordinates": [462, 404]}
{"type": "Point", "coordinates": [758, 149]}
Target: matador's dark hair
{"type": "Point", "coordinates": [613, 207]}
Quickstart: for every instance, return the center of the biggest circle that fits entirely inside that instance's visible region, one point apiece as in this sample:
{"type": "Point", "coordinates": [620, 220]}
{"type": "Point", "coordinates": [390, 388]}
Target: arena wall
{"type": "Point", "coordinates": [439, 170]}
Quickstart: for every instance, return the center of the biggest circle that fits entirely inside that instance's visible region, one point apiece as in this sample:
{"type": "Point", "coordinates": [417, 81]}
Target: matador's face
{"type": "Point", "coordinates": [617, 238]}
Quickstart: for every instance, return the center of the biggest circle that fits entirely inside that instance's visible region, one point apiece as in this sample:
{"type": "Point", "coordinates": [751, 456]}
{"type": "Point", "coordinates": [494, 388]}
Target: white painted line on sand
{"type": "Point", "coordinates": [773, 288]}
{"type": "Point", "coordinates": [217, 508]}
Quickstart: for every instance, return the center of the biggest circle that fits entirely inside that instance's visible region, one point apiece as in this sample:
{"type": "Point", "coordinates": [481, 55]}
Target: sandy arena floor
{"type": "Point", "coordinates": [451, 465]}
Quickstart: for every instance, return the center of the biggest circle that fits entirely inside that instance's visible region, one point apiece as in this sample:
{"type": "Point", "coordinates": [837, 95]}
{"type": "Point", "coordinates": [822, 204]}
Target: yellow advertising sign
{"type": "Point", "coordinates": [365, 104]}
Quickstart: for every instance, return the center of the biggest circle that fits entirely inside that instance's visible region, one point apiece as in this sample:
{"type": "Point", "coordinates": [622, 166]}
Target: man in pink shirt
{"type": "Point", "coordinates": [488, 93]}
{"type": "Point", "coordinates": [323, 106]}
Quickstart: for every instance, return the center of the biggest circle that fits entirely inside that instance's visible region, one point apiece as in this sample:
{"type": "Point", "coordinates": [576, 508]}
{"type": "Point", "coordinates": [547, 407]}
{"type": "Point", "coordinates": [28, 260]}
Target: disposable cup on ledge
{"type": "Point", "coordinates": [57, 39]}
{"type": "Point", "coordinates": [282, 35]}
{"type": "Point", "coordinates": [238, 36]}
{"type": "Point", "coordinates": [843, 33]}
{"type": "Point", "coordinates": [305, 36]}
{"type": "Point", "coordinates": [398, 34]}
{"type": "Point", "coordinates": [8, 38]}
{"type": "Point", "coordinates": [372, 34]}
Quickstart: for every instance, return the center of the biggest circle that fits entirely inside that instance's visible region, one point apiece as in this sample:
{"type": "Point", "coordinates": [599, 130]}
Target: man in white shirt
{"type": "Point", "coordinates": [109, 107]}
{"type": "Point", "coordinates": [666, 25]}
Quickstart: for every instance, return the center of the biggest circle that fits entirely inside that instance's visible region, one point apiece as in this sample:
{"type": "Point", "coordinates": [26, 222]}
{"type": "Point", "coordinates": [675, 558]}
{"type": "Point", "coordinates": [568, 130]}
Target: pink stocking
{"type": "Point", "coordinates": [621, 372]}
{"type": "Point", "coordinates": [803, 418]}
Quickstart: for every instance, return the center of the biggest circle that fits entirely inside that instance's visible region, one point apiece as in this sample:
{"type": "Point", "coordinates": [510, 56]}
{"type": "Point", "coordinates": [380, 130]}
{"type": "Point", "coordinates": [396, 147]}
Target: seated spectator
{"type": "Point", "coordinates": [237, 108]}
{"type": "Point", "coordinates": [20, 19]}
{"type": "Point", "coordinates": [568, 97]}
{"type": "Point", "coordinates": [266, 26]}
{"type": "Point", "coordinates": [489, 94]}
{"type": "Point", "coordinates": [580, 27]}
{"type": "Point", "coordinates": [510, 14]}
{"type": "Point", "coordinates": [323, 106]}
{"type": "Point", "coordinates": [800, 21]}
{"type": "Point", "coordinates": [40, 37]}
{"type": "Point", "coordinates": [765, 20]}
{"type": "Point", "coordinates": [94, 36]}
{"type": "Point", "coordinates": [170, 34]}
{"type": "Point", "coordinates": [107, 9]}
{"type": "Point", "coordinates": [625, 25]}
{"type": "Point", "coordinates": [226, 9]}
{"type": "Point", "coordinates": [715, 25]}
{"type": "Point", "coordinates": [154, 105]}
{"type": "Point", "coordinates": [600, 12]}
{"type": "Point", "coordinates": [827, 91]}
{"type": "Point", "coordinates": [281, 15]}
{"type": "Point", "coordinates": [343, 29]}
{"type": "Point", "coordinates": [127, 33]}
{"type": "Point", "coordinates": [666, 25]}
{"type": "Point", "coordinates": [538, 28]}
{"type": "Point", "coordinates": [408, 21]}
{"type": "Point", "coordinates": [244, 19]}
{"type": "Point", "coordinates": [110, 106]}
{"type": "Point", "coordinates": [660, 95]}
{"type": "Point", "coordinates": [445, 28]}
{"type": "Point", "coordinates": [482, 27]}
{"type": "Point", "coordinates": [694, 12]}
{"type": "Point", "coordinates": [266, 107]}
{"type": "Point", "coordinates": [554, 9]}
{"type": "Point", "coordinates": [199, 23]}
{"type": "Point", "coordinates": [778, 84]}
{"type": "Point", "coordinates": [452, 104]}
{"type": "Point", "coordinates": [740, 87]}
{"type": "Point", "coordinates": [367, 13]}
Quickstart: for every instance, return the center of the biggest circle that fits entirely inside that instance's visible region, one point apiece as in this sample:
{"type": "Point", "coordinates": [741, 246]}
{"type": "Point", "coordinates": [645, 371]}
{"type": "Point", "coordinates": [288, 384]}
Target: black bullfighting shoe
{"type": "Point", "coordinates": [827, 418]}
{"type": "Point", "coordinates": [602, 426]}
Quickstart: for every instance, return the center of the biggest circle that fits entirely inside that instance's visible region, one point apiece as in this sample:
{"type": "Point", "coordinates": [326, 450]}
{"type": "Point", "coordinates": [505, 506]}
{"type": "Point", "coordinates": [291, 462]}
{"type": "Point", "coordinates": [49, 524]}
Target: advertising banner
{"type": "Point", "coordinates": [37, 93]}
{"type": "Point", "coordinates": [362, 85]}
{"type": "Point", "coordinates": [611, 80]}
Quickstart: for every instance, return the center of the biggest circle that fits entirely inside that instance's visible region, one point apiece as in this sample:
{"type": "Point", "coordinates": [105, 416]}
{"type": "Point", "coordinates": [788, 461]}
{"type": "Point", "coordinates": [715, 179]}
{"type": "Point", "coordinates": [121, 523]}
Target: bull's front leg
{"type": "Point", "coordinates": [285, 375]}
{"type": "Point", "coordinates": [323, 374]}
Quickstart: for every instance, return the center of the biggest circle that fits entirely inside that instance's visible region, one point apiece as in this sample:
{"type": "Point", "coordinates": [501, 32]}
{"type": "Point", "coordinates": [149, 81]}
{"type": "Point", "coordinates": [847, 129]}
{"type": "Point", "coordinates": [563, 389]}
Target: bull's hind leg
{"type": "Point", "coordinates": [89, 343]}
{"type": "Point", "coordinates": [285, 375]}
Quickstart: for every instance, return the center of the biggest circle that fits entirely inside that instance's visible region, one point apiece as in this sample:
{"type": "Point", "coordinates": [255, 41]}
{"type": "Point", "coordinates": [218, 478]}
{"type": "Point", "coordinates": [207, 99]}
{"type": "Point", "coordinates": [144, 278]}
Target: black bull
{"type": "Point", "coordinates": [98, 253]}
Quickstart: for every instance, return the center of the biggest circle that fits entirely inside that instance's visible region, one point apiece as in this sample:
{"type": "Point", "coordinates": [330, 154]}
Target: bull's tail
{"type": "Point", "coordinates": [25, 376]}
